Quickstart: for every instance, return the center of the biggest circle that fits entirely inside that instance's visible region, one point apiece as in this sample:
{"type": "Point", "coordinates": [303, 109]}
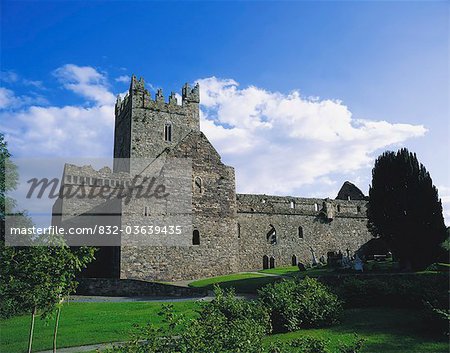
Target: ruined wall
{"type": "Point", "coordinates": [213, 216]}
{"type": "Point", "coordinates": [347, 229]}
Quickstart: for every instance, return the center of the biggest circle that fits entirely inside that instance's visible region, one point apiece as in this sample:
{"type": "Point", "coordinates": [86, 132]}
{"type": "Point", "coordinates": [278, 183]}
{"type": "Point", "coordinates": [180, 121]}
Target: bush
{"type": "Point", "coordinates": [226, 325]}
{"type": "Point", "coordinates": [296, 304]}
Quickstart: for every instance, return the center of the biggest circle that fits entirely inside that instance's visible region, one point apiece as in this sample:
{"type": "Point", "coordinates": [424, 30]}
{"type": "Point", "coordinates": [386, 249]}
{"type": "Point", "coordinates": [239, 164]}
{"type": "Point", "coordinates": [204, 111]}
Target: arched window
{"type": "Point", "coordinates": [198, 185]}
{"type": "Point", "coordinates": [168, 132]}
{"type": "Point", "coordinates": [272, 235]}
{"type": "Point", "coordinates": [300, 232]}
{"type": "Point", "coordinates": [195, 237]}
{"type": "Point", "coordinates": [272, 262]}
{"type": "Point", "coordinates": [265, 262]}
{"type": "Point", "coordinates": [294, 260]}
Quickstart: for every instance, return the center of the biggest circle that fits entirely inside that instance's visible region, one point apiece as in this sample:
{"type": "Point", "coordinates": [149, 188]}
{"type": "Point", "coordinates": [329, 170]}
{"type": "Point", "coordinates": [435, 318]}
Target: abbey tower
{"type": "Point", "coordinates": [230, 232]}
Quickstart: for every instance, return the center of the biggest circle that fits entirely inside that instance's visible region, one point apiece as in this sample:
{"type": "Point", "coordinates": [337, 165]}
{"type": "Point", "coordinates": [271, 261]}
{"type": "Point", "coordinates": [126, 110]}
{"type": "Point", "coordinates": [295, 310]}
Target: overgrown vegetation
{"type": "Point", "coordinates": [295, 304]}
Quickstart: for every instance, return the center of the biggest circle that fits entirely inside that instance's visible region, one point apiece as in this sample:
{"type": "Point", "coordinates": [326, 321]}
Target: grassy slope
{"type": "Point", "coordinates": [242, 282]}
{"type": "Point", "coordinates": [386, 330]}
{"type": "Point", "coordinates": [84, 323]}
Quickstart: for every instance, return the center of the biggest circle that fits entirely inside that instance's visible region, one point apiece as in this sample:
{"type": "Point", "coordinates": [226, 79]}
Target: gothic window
{"type": "Point", "coordinates": [195, 237]}
{"type": "Point", "coordinates": [198, 185]}
{"type": "Point", "coordinates": [272, 262]}
{"type": "Point", "coordinates": [168, 132]}
{"type": "Point", "coordinates": [294, 260]}
{"type": "Point", "coordinates": [265, 262]}
{"type": "Point", "coordinates": [300, 232]}
{"type": "Point", "coordinates": [272, 236]}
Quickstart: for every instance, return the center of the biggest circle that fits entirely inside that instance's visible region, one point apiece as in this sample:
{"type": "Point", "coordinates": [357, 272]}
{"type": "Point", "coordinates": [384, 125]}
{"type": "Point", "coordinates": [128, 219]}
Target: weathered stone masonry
{"type": "Point", "coordinates": [232, 232]}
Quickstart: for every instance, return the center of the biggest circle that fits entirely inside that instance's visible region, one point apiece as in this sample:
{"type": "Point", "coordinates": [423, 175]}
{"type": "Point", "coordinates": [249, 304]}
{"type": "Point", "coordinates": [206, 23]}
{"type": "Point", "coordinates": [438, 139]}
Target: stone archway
{"type": "Point", "coordinates": [272, 262]}
{"type": "Point", "coordinates": [265, 262]}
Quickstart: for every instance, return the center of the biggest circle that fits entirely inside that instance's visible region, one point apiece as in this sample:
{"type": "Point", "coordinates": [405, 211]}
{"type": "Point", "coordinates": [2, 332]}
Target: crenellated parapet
{"type": "Point", "coordinates": [139, 97]}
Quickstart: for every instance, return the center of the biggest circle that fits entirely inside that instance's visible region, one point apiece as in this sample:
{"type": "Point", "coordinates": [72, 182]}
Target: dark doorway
{"type": "Point", "coordinates": [294, 260]}
{"type": "Point", "coordinates": [272, 262]}
{"type": "Point", "coordinates": [265, 262]}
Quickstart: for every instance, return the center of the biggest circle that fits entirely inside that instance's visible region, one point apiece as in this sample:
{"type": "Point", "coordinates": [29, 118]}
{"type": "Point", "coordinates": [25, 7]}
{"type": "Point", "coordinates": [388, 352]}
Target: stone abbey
{"type": "Point", "coordinates": [231, 232]}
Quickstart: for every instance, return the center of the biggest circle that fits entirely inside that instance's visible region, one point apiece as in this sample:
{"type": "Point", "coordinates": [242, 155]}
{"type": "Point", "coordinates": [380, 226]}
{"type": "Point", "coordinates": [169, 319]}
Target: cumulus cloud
{"type": "Point", "coordinates": [85, 81]}
{"type": "Point", "coordinates": [281, 142]}
{"type": "Point", "coordinates": [81, 131]}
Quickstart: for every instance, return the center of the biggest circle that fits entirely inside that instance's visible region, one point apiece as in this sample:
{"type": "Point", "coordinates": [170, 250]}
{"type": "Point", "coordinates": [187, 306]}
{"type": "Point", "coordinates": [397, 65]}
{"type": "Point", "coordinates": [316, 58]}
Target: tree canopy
{"type": "Point", "coordinates": [405, 210]}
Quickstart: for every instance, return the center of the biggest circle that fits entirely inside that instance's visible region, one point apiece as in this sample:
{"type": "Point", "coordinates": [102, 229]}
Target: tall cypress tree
{"type": "Point", "coordinates": [405, 210]}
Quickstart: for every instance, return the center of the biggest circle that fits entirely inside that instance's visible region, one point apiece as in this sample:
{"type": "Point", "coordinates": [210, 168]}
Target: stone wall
{"type": "Point", "coordinates": [301, 224]}
{"type": "Point", "coordinates": [213, 216]}
{"type": "Point", "coordinates": [128, 287]}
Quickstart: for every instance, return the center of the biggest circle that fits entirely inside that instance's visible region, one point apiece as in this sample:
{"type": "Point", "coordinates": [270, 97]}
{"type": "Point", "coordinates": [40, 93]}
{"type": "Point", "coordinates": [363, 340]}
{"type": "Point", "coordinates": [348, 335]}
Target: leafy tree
{"type": "Point", "coordinates": [405, 210]}
{"type": "Point", "coordinates": [34, 279]}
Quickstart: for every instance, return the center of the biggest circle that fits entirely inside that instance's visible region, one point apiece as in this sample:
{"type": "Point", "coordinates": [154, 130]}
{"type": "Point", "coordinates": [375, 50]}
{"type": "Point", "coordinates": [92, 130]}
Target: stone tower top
{"type": "Point", "coordinates": [145, 126]}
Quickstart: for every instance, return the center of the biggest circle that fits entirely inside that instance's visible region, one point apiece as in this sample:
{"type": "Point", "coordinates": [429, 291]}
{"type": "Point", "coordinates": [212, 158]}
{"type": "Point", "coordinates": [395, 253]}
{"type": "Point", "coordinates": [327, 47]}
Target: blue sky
{"type": "Point", "coordinates": [378, 71]}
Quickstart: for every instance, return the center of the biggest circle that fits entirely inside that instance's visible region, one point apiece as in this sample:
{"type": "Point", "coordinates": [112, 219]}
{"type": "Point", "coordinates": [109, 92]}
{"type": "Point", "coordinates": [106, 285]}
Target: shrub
{"type": "Point", "coordinates": [294, 304]}
{"type": "Point", "coordinates": [226, 325]}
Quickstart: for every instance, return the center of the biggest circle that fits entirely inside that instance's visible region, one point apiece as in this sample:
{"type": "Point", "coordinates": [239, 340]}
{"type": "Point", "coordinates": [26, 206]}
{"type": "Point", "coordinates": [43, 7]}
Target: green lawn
{"type": "Point", "coordinates": [386, 330]}
{"type": "Point", "coordinates": [242, 282]}
{"type": "Point", "coordinates": [292, 271]}
{"type": "Point", "coordinates": [85, 323]}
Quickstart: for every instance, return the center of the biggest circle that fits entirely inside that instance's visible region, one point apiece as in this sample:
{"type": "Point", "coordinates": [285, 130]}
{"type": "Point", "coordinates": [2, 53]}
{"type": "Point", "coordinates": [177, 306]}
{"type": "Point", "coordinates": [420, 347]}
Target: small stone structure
{"type": "Point", "coordinates": [231, 232]}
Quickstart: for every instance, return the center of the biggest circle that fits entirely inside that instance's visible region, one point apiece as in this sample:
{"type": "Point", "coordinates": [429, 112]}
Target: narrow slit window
{"type": "Point", "coordinates": [300, 232]}
{"type": "Point", "coordinates": [196, 237]}
{"type": "Point", "coordinates": [146, 211]}
{"type": "Point", "coordinates": [168, 132]}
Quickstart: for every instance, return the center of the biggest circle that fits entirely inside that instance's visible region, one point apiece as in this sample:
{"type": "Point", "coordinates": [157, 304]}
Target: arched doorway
{"type": "Point", "coordinates": [294, 260]}
{"type": "Point", "coordinates": [265, 262]}
{"type": "Point", "coordinates": [272, 262]}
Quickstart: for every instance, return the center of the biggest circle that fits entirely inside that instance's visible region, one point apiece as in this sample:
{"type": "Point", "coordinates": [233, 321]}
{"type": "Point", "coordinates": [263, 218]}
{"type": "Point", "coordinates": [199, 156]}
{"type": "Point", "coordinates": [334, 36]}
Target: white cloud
{"type": "Point", "coordinates": [85, 81]}
{"type": "Point", "coordinates": [62, 131]}
{"type": "Point", "coordinates": [280, 143]}
{"type": "Point", "coordinates": [123, 78]}
{"type": "Point", "coordinates": [8, 99]}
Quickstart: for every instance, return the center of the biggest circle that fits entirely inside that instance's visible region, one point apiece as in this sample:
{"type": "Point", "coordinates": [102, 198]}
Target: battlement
{"type": "Point", "coordinates": [140, 97]}
{"type": "Point", "coordinates": [87, 175]}
{"type": "Point", "coordinates": [250, 203]}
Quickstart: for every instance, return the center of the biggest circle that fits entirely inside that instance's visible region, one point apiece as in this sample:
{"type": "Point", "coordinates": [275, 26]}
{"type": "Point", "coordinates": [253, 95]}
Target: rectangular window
{"type": "Point", "coordinates": [168, 132]}
{"type": "Point", "coordinates": [75, 180]}
{"type": "Point", "coordinates": [69, 178]}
